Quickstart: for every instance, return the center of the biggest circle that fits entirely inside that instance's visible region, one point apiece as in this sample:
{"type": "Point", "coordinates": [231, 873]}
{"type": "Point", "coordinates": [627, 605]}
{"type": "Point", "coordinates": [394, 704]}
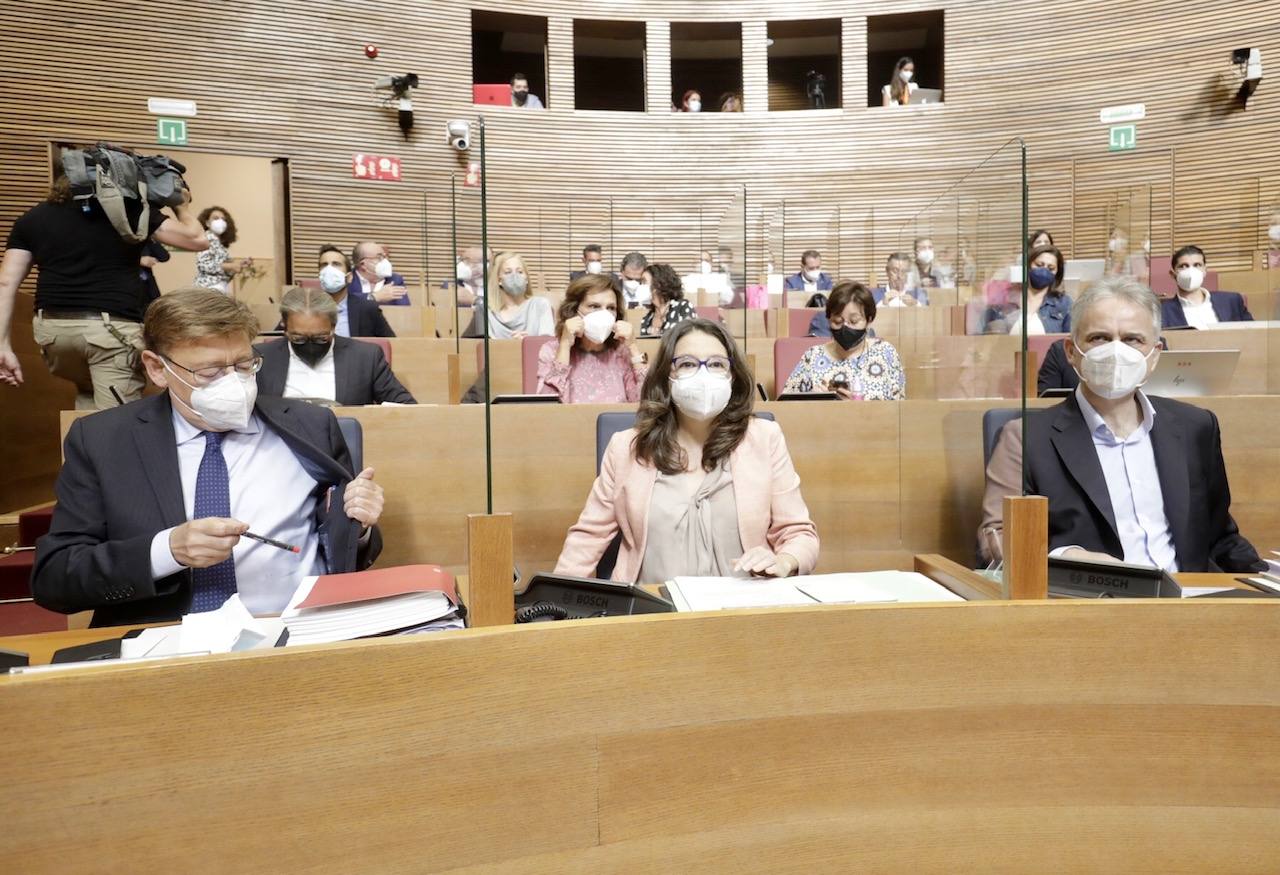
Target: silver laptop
{"type": "Point", "coordinates": [1193, 372]}
{"type": "Point", "coordinates": [926, 95]}
{"type": "Point", "coordinates": [1084, 269]}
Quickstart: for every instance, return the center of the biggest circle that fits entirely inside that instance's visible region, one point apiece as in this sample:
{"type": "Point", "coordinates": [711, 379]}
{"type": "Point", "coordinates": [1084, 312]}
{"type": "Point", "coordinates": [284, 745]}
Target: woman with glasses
{"type": "Point", "coordinates": [593, 359]}
{"type": "Point", "coordinates": [699, 486]}
{"type": "Point", "coordinates": [852, 364]}
{"type": "Point", "coordinates": [316, 364]}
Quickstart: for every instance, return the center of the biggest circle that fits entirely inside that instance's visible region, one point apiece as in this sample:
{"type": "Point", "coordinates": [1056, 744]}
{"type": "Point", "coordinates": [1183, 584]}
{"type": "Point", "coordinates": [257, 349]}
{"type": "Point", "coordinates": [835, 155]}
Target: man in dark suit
{"type": "Point", "coordinates": [1055, 371]}
{"type": "Point", "coordinates": [155, 496]}
{"type": "Point", "coordinates": [897, 290]}
{"type": "Point", "coordinates": [357, 315]}
{"type": "Point", "coordinates": [810, 277]}
{"type": "Point", "coordinates": [1194, 305]}
{"type": "Point", "coordinates": [591, 255]}
{"type": "Point", "coordinates": [313, 362]}
{"type": "Point", "coordinates": [1128, 477]}
{"type": "Point", "coordinates": [372, 277]}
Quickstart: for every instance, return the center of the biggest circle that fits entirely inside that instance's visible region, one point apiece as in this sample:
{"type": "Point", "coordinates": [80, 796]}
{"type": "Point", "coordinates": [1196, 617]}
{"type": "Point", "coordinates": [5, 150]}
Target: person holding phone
{"type": "Point", "coordinates": [852, 364]}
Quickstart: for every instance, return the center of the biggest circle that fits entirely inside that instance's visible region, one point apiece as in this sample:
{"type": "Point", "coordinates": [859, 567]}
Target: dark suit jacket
{"type": "Point", "coordinates": [365, 318]}
{"type": "Point", "coordinates": [356, 290]}
{"type": "Point", "coordinates": [360, 371]}
{"type": "Point", "coordinates": [795, 282]}
{"type": "Point", "coordinates": [1062, 464]}
{"type": "Point", "coordinates": [1227, 306]}
{"type": "Point", "coordinates": [120, 485]}
{"type": "Point", "coordinates": [1055, 371]}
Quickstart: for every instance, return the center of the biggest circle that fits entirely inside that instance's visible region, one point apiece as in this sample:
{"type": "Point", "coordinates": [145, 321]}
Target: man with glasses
{"type": "Point", "coordinates": [373, 278]}
{"type": "Point", "coordinates": [316, 364]}
{"type": "Point", "coordinates": [159, 501]}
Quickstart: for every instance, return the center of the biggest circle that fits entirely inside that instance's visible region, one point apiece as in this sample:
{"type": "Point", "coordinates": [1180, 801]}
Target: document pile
{"type": "Point", "coordinates": [339, 607]}
{"type": "Point", "coordinates": [231, 628]}
{"type": "Point", "coordinates": [1269, 580]}
{"type": "Point", "coordinates": [720, 593]}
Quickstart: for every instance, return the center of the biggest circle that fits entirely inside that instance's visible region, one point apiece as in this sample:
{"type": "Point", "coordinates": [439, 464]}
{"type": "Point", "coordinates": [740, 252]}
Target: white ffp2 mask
{"type": "Point", "coordinates": [702, 396]}
{"type": "Point", "coordinates": [1190, 278]}
{"type": "Point", "coordinates": [1113, 370]}
{"type": "Point", "coordinates": [598, 325]}
{"type": "Point", "coordinates": [383, 269]}
{"type": "Point", "coordinates": [225, 404]}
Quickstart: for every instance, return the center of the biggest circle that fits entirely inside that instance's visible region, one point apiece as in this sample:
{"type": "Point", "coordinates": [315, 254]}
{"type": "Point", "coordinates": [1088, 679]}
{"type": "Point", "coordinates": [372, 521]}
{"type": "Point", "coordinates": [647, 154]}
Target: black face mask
{"type": "Point", "coordinates": [848, 337]}
{"type": "Point", "coordinates": [520, 97]}
{"type": "Point", "coordinates": [310, 351]}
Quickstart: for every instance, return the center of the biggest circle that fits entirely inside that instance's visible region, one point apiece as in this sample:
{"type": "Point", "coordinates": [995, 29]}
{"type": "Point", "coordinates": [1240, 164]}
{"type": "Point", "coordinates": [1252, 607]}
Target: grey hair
{"type": "Point", "coordinates": [898, 256]}
{"type": "Point", "coordinates": [634, 259]}
{"type": "Point", "coordinates": [303, 301]}
{"type": "Point", "coordinates": [1123, 287]}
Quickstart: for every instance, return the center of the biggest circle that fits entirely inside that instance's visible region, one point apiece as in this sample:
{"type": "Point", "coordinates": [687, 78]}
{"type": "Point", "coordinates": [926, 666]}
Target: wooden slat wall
{"type": "Point", "coordinates": [289, 79]}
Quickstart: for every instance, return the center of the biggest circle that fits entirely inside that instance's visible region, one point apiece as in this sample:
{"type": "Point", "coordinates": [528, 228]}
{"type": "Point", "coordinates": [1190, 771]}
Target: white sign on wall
{"type": "Point", "coordinates": [167, 106]}
{"type": "Point", "coordinates": [1114, 115]}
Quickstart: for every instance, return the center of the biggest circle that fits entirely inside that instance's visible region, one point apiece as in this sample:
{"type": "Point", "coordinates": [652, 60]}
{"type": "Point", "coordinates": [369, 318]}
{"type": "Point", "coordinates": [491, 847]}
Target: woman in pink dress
{"type": "Point", "coordinates": [592, 360]}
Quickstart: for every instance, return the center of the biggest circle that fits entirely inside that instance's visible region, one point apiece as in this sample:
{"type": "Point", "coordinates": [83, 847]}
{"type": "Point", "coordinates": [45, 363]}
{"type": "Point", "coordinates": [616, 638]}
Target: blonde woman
{"type": "Point", "coordinates": [513, 312]}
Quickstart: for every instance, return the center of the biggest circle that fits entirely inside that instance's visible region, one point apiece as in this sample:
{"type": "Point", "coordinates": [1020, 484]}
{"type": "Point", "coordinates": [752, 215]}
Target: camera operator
{"type": "Point", "coordinates": [89, 301]}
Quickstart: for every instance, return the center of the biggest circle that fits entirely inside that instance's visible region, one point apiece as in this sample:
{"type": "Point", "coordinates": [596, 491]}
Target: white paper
{"type": "Point", "coordinates": [720, 593]}
{"type": "Point", "coordinates": [1190, 592]}
{"type": "Point", "coordinates": [902, 586]}
{"type": "Point", "coordinates": [841, 589]}
{"type": "Point", "coordinates": [159, 641]}
{"type": "Point", "coordinates": [230, 627]}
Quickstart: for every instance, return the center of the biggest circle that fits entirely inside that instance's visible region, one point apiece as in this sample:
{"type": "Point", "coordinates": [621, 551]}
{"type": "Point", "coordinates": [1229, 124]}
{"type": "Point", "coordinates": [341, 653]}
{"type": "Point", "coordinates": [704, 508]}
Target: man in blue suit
{"type": "Point", "coordinates": [1194, 305]}
{"type": "Point", "coordinates": [810, 278]}
{"type": "Point", "coordinates": [372, 277]}
{"type": "Point", "coordinates": [897, 291]}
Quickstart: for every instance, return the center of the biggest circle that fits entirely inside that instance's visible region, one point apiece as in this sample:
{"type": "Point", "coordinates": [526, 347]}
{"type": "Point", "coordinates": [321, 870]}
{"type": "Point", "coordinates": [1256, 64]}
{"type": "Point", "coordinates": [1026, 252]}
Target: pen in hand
{"type": "Point", "coordinates": [289, 548]}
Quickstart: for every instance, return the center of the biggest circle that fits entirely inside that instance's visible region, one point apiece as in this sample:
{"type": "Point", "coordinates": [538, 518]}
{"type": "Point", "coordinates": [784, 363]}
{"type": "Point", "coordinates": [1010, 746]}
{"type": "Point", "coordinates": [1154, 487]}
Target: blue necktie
{"type": "Point", "coordinates": [213, 585]}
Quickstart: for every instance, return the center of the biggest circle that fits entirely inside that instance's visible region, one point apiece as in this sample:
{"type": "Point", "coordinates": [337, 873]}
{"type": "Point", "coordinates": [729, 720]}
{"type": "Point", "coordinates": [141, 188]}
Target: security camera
{"type": "Point", "coordinates": [458, 134]}
{"type": "Point", "coordinates": [1248, 64]}
{"type": "Point", "coordinates": [397, 85]}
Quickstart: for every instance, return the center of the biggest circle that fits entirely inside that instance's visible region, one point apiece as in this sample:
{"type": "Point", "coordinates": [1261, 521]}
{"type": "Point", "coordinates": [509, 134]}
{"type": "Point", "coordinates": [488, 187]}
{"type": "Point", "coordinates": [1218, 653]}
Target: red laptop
{"type": "Point", "coordinates": [491, 95]}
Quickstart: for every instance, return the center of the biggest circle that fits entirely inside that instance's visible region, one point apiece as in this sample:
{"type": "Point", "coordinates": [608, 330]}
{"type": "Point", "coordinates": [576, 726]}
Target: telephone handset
{"type": "Point", "coordinates": [553, 597]}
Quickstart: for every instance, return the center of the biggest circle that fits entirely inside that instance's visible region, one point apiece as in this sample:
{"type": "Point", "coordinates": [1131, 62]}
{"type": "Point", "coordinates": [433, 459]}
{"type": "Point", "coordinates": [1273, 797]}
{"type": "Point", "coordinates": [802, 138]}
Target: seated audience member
{"type": "Point", "coordinates": [592, 261]}
{"type": "Point", "coordinates": [1048, 306]}
{"type": "Point", "coordinates": [852, 364]}
{"type": "Point", "coordinates": [1194, 305]}
{"type": "Point", "coordinates": [730, 103]}
{"type": "Point", "coordinates": [691, 102]}
{"type": "Point", "coordinates": [215, 268]}
{"type": "Point", "coordinates": [897, 291]}
{"type": "Point", "coordinates": [357, 315]}
{"type": "Point", "coordinates": [592, 360]}
{"type": "Point", "coordinates": [668, 307]}
{"type": "Point", "coordinates": [1129, 477]}
{"type": "Point", "coordinates": [1056, 371]}
{"type": "Point", "coordinates": [469, 276]}
{"type": "Point", "coordinates": [374, 280]}
{"type": "Point", "coordinates": [313, 362]}
{"type": "Point", "coordinates": [520, 95]}
{"type": "Point", "coordinates": [699, 486]}
{"type": "Point", "coordinates": [1039, 238]}
{"type": "Point", "coordinates": [810, 277]}
{"type": "Point", "coordinates": [512, 311]}
{"type": "Point", "coordinates": [155, 496]}
{"type": "Point", "coordinates": [898, 91]}
{"type": "Point", "coordinates": [926, 272]}
{"type": "Point", "coordinates": [635, 292]}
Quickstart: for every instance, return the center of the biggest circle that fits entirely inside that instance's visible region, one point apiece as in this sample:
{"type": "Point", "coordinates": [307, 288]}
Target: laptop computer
{"type": "Point", "coordinates": [1084, 269]}
{"type": "Point", "coordinates": [491, 95]}
{"type": "Point", "coordinates": [926, 95]}
{"type": "Point", "coordinates": [1193, 372]}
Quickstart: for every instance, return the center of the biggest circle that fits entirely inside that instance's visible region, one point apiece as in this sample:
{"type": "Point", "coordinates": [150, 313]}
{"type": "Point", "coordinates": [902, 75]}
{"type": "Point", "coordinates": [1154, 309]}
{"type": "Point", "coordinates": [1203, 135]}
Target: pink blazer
{"type": "Point", "coordinates": [766, 489]}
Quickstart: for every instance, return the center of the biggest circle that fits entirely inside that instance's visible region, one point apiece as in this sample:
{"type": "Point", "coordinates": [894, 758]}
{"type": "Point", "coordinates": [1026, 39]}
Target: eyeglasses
{"type": "Point", "coordinates": [309, 338]}
{"type": "Point", "coordinates": [685, 366]}
{"type": "Point", "coordinates": [244, 368]}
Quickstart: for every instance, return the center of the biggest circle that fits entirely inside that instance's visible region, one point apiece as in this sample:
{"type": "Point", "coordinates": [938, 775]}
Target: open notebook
{"type": "Point", "coordinates": [720, 593]}
{"type": "Point", "coordinates": [339, 607]}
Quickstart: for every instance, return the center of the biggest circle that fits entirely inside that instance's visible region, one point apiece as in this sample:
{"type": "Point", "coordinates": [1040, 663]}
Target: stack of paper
{"type": "Point", "coordinates": [229, 628]}
{"type": "Point", "coordinates": [339, 607]}
{"type": "Point", "coordinates": [721, 593]}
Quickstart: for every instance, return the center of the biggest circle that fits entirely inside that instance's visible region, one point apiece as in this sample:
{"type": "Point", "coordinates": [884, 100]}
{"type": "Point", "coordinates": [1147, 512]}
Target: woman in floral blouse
{"type": "Point", "coordinates": [592, 359]}
{"type": "Point", "coordinates": [668, 306]}
{"type": "Point", "coordinates": [215, 267]}
{"type": "Point", "coordinates": [851, 364]}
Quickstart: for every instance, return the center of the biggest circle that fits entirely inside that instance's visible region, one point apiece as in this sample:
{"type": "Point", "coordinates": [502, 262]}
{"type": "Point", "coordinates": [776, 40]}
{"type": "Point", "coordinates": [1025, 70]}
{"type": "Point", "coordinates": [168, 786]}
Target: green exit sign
{"type": "Point", "coordinates": [1124, 138]}
{"type": "Point", "coordinates": [171, 131]}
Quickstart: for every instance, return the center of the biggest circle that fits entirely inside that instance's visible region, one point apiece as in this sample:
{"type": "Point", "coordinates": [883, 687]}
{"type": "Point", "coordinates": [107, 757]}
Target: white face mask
{"type": "Point", "coordinates": [702, 396]}
{"type": "Point", "coordinates": [925, 256]}
{"type": "Point", "coordinates": [695, 106]}
{"type": "Point", "coordinates": [383, 268]}
{"type": "Point", "coordinates": [225, 404]}
{"type": "Point", "coordinates": [812, 275]}
{"type": "Point", "coordinates": [1190, 278]}
{"type": "Point", "coordinates": [1113, 370]}
{"type": "Point", "coordinates": [1118, 244]}
{"type": "Point", "coordinates": [464, 272]}
{"type": "Point", "coordinates": [643, 293]}
{"type": "Point", "coordinates": [906, 75]}
{"type": "Point", "coordinates": [218, 226]}
{"type": "Point", "coordinates": [594, 267]}
{"type": "Point", "coordinates": [598, 325]}
{"type": "Point", "coordinates": [631, 285]}
{"type": "Point", "coordinates": [332, 279]}
{"type": "Point", "coordinates": [515, 284]}
{"type": "Point", "coordinates": [704, 267]}
{"type": "Point", "coordinates": [1274, 233]}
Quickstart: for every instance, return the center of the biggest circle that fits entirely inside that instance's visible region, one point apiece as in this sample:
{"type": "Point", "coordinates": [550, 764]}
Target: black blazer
{"type": "Point", "coordinates": [120, 485]}
{"type": "Point", "coordinates": [365, 319]}
{"type": "Point", "coordinates": [360, 371]}
{"type": "Point", "coordinates": [1062, 464]}
{"type": "Point", "coordinates": [1055, 371]}
{"type": "Point", "coordinates": [1227, 306]}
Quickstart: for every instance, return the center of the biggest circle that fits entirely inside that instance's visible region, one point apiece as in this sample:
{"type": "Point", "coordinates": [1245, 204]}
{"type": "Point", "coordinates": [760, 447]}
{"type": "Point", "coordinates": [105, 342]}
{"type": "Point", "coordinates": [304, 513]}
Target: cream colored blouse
{"type": "Point", "coordinates": [696, 535]}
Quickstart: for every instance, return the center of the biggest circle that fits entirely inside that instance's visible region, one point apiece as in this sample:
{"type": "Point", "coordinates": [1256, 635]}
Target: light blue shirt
{"type": "Point", "coordinates": [1133, 482]}
{"type": "Point", "coordinates": [273, 493]}
{"type": "Point", "coordinates": [343, 328]}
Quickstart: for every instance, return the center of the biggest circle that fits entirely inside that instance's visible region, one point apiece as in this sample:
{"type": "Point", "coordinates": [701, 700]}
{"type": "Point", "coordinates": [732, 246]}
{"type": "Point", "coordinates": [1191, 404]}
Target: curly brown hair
{"type": "Point", "coordinates": [656, 424]}
{"type": "Point", "coordinates": [579, 289]}
{"type": "Point", "coordinates": [228, 236]}
{"type": "Point", "coordinates": [666, 282]}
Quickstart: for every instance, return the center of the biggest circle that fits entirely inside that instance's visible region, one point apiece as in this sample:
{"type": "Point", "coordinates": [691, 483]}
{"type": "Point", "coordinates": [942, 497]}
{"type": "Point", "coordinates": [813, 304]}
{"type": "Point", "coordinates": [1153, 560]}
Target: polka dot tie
{"type": "Point", "coordinates": [214, 585]}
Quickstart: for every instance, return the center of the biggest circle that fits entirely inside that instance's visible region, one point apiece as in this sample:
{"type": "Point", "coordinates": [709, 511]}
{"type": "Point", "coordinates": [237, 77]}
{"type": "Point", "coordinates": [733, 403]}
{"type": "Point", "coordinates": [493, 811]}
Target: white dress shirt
{"type": "Point", "coordinates": [273, 493]}
{"type": "Point", "coordinates": [1198, 315]}
{"type": "Point", "coordinates": [343, 328]}
{"type": "Point", "coordinates": [1133, 483]}
{"type": "Point", "coordinates": [369, 288]}
{"type": "Point", "coordinates": [304, 381]}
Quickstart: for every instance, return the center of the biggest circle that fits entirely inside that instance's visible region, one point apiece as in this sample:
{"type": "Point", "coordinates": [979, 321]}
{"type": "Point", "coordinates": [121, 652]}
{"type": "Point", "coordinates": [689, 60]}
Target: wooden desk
{"type": "Point", "coordinates": [1054, 736]}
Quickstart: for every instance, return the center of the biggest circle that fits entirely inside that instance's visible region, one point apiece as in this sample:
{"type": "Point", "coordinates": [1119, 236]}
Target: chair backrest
{"type": "Point", "coordinates": [353, 434]}
{"type": "Point", "coordinates": [609, 424]}
{"type": "Point", "coordinates": [992, 421]}
{"type": "Point", "coordinates": [798, 321]}
{"type": "Point", "coordinates": [786, 353]}
{"type": "Point", "coordinates": [529, 349]}
{"type": "Point", "coordinates": [712, 313]}
{"type": "Point", "coordinates": [1040, 343]}
{"type": "Point", "coordinates": [378, 341]}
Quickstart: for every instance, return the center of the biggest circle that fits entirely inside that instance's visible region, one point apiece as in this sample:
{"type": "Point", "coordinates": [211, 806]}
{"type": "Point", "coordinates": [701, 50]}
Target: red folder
{"type": "Point", "coordinates": [362, 586]}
